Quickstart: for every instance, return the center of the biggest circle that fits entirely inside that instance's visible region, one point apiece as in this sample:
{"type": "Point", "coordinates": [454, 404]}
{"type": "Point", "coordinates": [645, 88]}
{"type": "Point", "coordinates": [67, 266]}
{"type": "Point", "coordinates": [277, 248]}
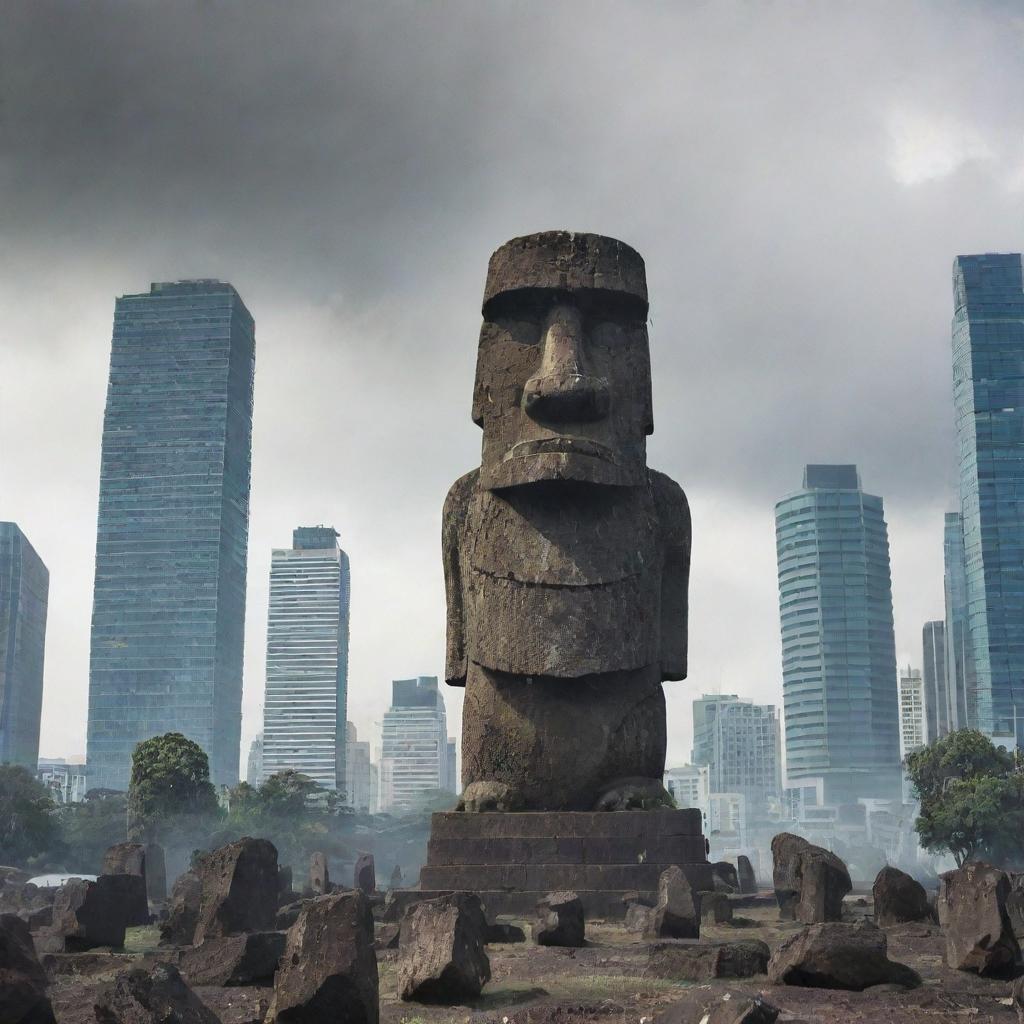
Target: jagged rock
{"type": "Point", "coordinates": [179, 928]}
{"type": "Point", "coordinates": [745, 874]}
{"type": "Point", "coordinates": [364, 875]}
{"type": "Point", "coordinates": [441, 957]}
{"type": "Point", "coordinates": [388, 936]}
{"type": "Point", "coordinates": [559, 920]}
{"type": "Point", "coordinates": [1017, 998]}
{"type": "Point", "coordinates": [638, 918]}
{"type": "Point", "coordinates": [130, 859]}
{"type": "Point", "coordinates": [973, 914]}
{"type": "Point", "coordinates": [810, 882]}
{"type": "Point", "coordinates": [239, 889]}
{"type": "Point", "coordinates": [319, 876]}
{"type": "Point", "coordinates": [688, 960]}
{"type": "Point", "coordinates": [329, 969]}
{"type": "Point", "coordinates": [898, 898]}
{"type": "Point", "coordinates": [1015, 907]}
{"type": "Point", "coordinates": [22, 979]}
{"type": "Point", "coordinates": [675, 916]}
{"type": "Point", "coordinates": [288, 915]}
{"type": "Point", "coordinates": [89, 914]}
{"type": "Point", "coordinates": [724, 877]}
{"type": "Point", "coordinates": [742, 1011]}
{"type": "Point", "coordinates": [715, 908]}
{"type": "Point", "coordinates": [155, 996]}
{"type": "Point", "coordinates": [248, 959]}
{"type": "Point", "coordinates": [837, 955]}
{"type": "Point", "coordinates": [499, 932]}
{"type": "Point", "coordinates": [40, 917]}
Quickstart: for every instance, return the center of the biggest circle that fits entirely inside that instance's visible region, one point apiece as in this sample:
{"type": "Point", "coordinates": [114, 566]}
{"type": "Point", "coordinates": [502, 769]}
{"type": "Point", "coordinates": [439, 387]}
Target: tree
{"type": "Point", "coordinates": [170, 786]}
{"type": "Point", "coordinates": [91, 826]}
{"type": "Point", "coordinates": [28, 821]}
{"type": "Point", "coordinates": [972, 801]}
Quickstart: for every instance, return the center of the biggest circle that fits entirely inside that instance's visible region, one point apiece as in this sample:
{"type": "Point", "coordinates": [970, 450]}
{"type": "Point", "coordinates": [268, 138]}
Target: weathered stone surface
{"type": "Point", "coordinates": [745, 874]}
{"type": "Point", "coordinates": [23, 997]}
{"type": "Point", "coordinates": [387, 936]}
{"type": "Point", "coordinates": [563, 396]}
{"type": "Point", "coordinates": [898, 898]}
{"type": "Point", "coordinates": [127, 861]}
{"type": "Point", "coordinates": [743, 1011]}
{"type": "Point", "coordinates": [972, 907]}
{"type": "Point", "coordinates": [156, 872]}
{"type": "Point", "coordinates": [239, 889]}
{"type": "Point", "coordinates": [179, 928]}
{"type": "Point", "coordinates": [810, 882]}
{"type": "Point", "coordinates": [288, 915]}
{"type": "Point", "coordinates": [560, 920]}
{"type": "Point", "coordinates": [319, 876]}
{"type": "Point", "coordinates": [725, 877]}
{"type": "Point", "coordinates": [247, 959]}
{"type": "Point", "coordinates": [689, 960]}
{"type": "Point", "coordinates": [89, 914]}
{"type": "Point", "coordinates": [1015, 907]}
{"type": "Point", "coordinates": [1017, 998]}
{"type": "Point", "coordinates": [715, 908]}
{"type": "Point", "coordinates": [837, 955]}
{"type": "Point", "coordinates": [500, 932]}
{"type": "Point", "coordinates": [364, 875]}
{"type": "Point", "coordinates": [638, 918]}
{"type": "Point", "coordinates": [329, 969]}
{"type": "Point", "coordinates": [441, 956]}
{"type": "Point", "coordinates": [40, 917]}
{"type": "Point", "coordinates": [156, 996]}
{"type": "Point", "coordinates": [676, 914]}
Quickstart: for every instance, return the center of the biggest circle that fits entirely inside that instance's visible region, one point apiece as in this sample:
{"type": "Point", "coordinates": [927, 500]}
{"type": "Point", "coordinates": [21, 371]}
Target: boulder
{"type": "Point", "coordinates": [676, 915]}
{"type": "Point", "coordinates": [364, 876]}
{"type": "Point", "coordinates": [319, 876]}
{"type": "Point", "coordinates": [810, 882]}
{"type": "Point", "coordinates": [559, 920]}
{"type": "Point", "coordinates": [1017, 998]}
{"type": "Point", "coordinates": [724, 877]}
{"type": "Point", "coordinates": [837, 955]}
{"type": "Point", "coordinates": [155, 996]}
{"type": "Point", "coordinates": [898, 898]}
{"type": "Point", "coordinates": [387, 936]}
{"type": "Point", "coordinates": [288, 915]}
{"type": "Point", "coordinates": [239, 889]}
{"type": "Point", "coordinates": [89, 914]}
{"type": "Point", "coordinates": [441, 957]}
{"type": "Point", "coordinates": [742, 1011]}
{"type": "Point", "coordinates": [498, 933]}
{"type": "Point", "coordinates": [179, 928]}
{"type": "Point", "coordinates": [638, 918]}
{"type": "Point", "coordinates": [973, 913]}
{"type": "Point", "coordinates": [22, 979]}
{"type": "Point", "coordinates": [745, 874]}
{"type": "Point", "coordinates": [125, 859]}
{"type": "Point", "coordinates": [715, 908]}
{"type": "Point", "coordinates": [38, 918]}
{"type": "Point", "coordinates": [689, 960]}
{"type": "Point", "coordinates": [1015, 907]}
{"type": "Point", "coordinates": [130, 887]}
{"type": "Point", "coordinates": [329, 969]}
{"type": "Point", "coordinates": [156, 872]}
{"type": "Point", "coordinates": [248, 959]}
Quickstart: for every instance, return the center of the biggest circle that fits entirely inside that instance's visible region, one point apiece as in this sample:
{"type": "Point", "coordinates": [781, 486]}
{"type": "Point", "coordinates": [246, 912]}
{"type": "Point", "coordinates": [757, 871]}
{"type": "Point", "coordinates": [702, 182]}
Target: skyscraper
{"type": "Point", "coordinates": [960, 679]}
{"type": "Point", "coordinates": [254, 765]}
{"type": "Point", "coordinates": [307, 658]}
{"type": "Point", "coordinates": [912, 711]}
{"type": "Point", "coordinates": [936, 697]}
{"type": "Point", "coordinates": [740, 742]}
{"type": "Point", "coordinates": [169, 600]}
{"type": "Point", "coordinates": [24, 590]}
{"type": "Point", "coordinates": [988, 400]}
{"type": "Point", "coordinates": [414, 749]}
{"type": "Point", "coordinates": [838, 643]}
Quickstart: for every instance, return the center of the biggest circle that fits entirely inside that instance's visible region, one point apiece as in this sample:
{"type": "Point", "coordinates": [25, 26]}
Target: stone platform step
{"type": "Point", "coordinates": [594, 850]}
{"type": "Point", "coordinates": [552, 877]}
{"type": "Point", "coordinates": [638, 825]}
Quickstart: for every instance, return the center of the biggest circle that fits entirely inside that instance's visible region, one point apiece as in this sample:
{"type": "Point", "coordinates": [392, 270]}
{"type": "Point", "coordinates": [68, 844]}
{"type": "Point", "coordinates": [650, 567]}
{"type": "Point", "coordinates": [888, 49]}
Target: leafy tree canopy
{"type": "Point", "coordinates": [959, 755]}
{"type": "Point", "coordinates": [28, 821]}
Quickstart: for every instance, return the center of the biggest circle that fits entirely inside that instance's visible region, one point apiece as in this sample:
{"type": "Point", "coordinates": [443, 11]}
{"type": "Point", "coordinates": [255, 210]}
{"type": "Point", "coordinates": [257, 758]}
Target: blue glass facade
{"type": "Point", "coordinates": [936, 692]}
{"type": "Point", "coordinates": [838, 642]}
{"type": "Point", "coordinates": [24, 591]}
{"type": "Point", "coordinates": [988, 400]}
{"type": "Point", "coordinates": [960, 678]}
{"type": "Point", "coordinates": [169, 599]}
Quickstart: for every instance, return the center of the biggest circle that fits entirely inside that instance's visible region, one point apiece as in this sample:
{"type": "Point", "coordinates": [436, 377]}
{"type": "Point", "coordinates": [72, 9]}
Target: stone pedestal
{"type": "Point", "coordinates": [514, 859]}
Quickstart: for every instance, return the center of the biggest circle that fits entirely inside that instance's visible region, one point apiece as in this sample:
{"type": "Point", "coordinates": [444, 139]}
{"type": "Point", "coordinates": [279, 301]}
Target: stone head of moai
{"type": "Point", "coordinates": [563, 379]}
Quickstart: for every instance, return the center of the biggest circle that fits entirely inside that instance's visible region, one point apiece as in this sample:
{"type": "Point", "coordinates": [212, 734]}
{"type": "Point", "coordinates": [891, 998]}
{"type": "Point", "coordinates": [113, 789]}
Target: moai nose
{"type": "Point", "coordinates": [563, 391]}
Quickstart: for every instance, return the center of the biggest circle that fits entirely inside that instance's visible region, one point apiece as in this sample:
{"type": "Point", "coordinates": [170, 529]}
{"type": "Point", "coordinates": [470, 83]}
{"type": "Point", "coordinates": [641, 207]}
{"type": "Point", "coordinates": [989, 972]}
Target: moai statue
{"type": "Point", "coordinates": [566, 559]}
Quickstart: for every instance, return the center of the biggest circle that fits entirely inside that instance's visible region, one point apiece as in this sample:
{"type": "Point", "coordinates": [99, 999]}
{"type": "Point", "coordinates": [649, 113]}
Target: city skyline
{"type": "Point", "coordinates": [361, 202]}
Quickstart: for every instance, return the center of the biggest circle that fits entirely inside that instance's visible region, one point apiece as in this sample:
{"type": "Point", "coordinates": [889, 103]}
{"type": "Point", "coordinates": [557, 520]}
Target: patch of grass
{"type": "Point", "coordinates": [141, 940]}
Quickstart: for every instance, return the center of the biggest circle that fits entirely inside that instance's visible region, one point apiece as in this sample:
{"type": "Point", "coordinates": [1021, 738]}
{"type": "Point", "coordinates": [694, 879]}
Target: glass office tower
{"type": "Point", "coordinates": [960, 679]}
{"type": "Point", "coordinates": [988, 400]}
{"type": "Point", "coordinates": [838, 643]}
{"type": "Point", "coordinates": [24, 591]}
{"type": "Point", "coordinates": [169, 600]}
{"type": "Point", "coordinates": [936, 695]}
{"type": "Point", "coordinates": [307, 658]}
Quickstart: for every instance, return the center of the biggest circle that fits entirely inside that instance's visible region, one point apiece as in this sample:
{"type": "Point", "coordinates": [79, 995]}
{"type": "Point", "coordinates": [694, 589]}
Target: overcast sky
{"type": "Point", "coordinates": [798, 177]}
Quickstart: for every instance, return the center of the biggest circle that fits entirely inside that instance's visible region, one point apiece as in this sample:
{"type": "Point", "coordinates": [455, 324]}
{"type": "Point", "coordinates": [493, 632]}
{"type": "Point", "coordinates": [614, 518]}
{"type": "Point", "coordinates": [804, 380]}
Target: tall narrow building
{"type": "Point", "coordinates": [24, 591]}
{"type": "Point", "coordinates": [988, 400]}
{"type": "Point", "coordinates": [307, 658]}
{"type": "Point", "coordinates": [838, 643]}
{"type": "Point", "coordinates": [936, 697]}
{"type": "Point", "coordinates": [169, 599]}
{"type": "Point", "coordinates": [913, 714]}
{"type": "Point", "coordinates": [960, 679]}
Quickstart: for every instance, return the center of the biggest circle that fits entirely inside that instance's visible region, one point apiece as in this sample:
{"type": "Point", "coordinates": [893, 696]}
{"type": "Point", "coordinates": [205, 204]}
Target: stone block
{"type": "Point", "coordinates": [239, 889]}
{"type": "Point", "coordinates": [247, 959]}
{"type": "Point", "coordinates": [155, 996]}
{"type": "Point", "coordinates": [22, 979]}
{"type": "Point", "coordinates": [560, 921]}
{"type": "Point", "coordinates": [690, 960]}
{"type": "Point", "coordinates": [973, 913]}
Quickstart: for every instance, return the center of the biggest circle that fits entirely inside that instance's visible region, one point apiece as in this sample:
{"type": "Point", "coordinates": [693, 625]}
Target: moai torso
{"type": "Point", "coordinates": [566, 558]}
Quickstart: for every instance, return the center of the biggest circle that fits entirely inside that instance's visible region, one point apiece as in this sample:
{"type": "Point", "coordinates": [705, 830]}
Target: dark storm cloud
{"type": "Point", "coordinates": [798, 177]}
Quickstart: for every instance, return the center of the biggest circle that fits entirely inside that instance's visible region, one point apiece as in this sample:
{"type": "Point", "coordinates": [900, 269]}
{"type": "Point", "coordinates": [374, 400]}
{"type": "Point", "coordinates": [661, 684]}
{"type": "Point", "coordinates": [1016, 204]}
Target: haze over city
{"type": "Point", "coordinates": [798, 187]}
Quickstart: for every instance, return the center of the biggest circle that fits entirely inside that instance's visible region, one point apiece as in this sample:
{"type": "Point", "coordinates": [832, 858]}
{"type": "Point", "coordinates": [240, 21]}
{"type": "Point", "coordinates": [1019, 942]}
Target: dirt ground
{"type": "Point", "coordinates": [606, 982]}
